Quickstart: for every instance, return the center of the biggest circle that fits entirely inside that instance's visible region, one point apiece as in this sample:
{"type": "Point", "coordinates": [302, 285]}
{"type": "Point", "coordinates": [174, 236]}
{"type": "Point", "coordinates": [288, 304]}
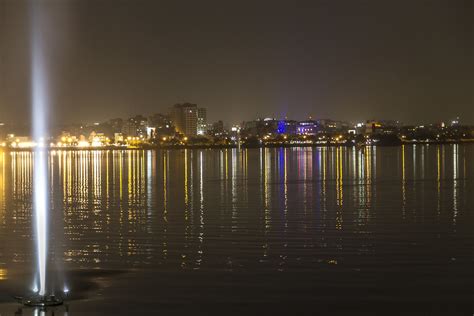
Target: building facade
{"type": "Point", "coordinates": [189, 119]}
{"type": "Point", "coordinates": [202, 126]}
{"type": "Point", "coordinates": [185, 118]}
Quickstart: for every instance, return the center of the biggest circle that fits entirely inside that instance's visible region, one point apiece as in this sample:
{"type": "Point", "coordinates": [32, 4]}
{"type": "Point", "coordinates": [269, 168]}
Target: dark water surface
{"type": "Point", "coordinates": [297, 231]}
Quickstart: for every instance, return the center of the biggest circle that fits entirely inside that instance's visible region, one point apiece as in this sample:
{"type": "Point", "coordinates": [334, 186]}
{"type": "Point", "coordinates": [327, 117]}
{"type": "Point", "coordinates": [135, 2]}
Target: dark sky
{"type": "Point", "coordinates": [410, 60]}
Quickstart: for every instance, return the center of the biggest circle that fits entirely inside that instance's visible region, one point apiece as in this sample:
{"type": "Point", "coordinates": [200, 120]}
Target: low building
{"type": "Point", "coordinates": [118, 138]}
{"type": "Point", "coordinates": [287, 127]}
{"type": "Point", "coordinates": [308, 127]}
{"type": "Point", "coordinates": [98, 139]}
{"type": "Point", "coordinates": [17, 141]}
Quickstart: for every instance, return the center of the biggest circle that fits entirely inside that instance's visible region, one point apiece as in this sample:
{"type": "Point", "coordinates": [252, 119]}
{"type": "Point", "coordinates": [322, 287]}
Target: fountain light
{"type": "Point", "coordinates": [40, 111]}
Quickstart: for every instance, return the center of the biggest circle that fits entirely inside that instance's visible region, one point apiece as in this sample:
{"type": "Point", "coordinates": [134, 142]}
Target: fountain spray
{"type": "Point", "coordinates": [40, 175]}
{"type": "Point", "coordinates": [40, 111]}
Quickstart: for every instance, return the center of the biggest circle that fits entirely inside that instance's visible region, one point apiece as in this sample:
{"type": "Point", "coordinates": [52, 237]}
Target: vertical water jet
{"type": "Point", "coordinates": [39, 103]}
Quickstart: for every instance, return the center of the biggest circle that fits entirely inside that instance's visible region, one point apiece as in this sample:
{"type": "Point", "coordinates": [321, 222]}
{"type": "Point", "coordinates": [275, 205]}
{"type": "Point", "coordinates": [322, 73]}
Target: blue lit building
{"type": "Point", "coordinates": [287, 127]}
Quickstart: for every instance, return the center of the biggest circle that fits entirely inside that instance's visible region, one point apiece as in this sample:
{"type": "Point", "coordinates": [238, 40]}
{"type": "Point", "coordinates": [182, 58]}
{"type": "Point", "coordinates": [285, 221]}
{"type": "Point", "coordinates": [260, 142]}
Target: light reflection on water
{"type": "Point", "coordinates": [283, 209]}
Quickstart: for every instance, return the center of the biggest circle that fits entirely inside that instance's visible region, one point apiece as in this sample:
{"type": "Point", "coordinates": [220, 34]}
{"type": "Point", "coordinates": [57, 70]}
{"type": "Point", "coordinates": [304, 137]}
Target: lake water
{"type": "Point", "coordinates": [295, 231]}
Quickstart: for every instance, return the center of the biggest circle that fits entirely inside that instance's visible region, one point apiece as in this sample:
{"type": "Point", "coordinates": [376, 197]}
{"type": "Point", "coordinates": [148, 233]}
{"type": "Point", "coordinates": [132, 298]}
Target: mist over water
{"type": "Point", "coordinates": [271, 230]}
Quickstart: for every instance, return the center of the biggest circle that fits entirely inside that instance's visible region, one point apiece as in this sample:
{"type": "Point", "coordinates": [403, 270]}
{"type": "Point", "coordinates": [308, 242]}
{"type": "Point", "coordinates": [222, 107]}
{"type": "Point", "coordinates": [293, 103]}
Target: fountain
{"type": "Point", "coordinates": [43, 295]}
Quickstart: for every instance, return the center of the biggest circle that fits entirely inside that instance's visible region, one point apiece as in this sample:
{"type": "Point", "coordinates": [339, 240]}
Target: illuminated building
{"type": "Point", "coordinates": [150, 132]}
{"type": "Point", "coordinates": [202, 121]}
{"type": "Point", "coordinates": [308, 127]}
{"type": "Point", "coordinates": [118, 138]}
{"type": "Point", "coordinates": [381, 127]}
{"type": "Point", "coordinates": [98, 139]}
{"type": "Point", "coordinates": [185, 118]}
{"type": "Point", "coordinates": [371, 127]}
{"type": "Point", "coordinates": [66, 140]}
{"type": "Point", "coordinates": [135, 126]}
{"type": "Point", "coordinates": [217, 129]}
{"type": "Point", "coordinates": [288, 127]}
{"type": "Point", "coordinates": [19, 141]}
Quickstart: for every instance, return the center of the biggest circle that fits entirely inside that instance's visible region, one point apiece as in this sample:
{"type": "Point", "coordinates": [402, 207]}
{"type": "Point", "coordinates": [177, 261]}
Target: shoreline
{"type": "Point", "coordinates": [170, 147]}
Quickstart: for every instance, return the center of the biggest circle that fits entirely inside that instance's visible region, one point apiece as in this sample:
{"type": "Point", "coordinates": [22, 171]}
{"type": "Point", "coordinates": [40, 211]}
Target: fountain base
{"type": "Point", "coordinates": [42, 301]}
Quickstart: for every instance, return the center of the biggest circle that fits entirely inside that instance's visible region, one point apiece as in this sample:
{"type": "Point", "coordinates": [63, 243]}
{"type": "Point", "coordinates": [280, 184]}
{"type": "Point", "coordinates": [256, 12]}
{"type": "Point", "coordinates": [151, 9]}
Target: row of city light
{"type": "Point", "coordinates": [67, 142]}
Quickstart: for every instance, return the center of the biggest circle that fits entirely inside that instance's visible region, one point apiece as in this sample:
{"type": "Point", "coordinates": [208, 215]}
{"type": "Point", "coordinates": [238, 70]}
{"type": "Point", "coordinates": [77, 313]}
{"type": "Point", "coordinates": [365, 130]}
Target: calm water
{"type": "Point", "coordinates": [337, 231]}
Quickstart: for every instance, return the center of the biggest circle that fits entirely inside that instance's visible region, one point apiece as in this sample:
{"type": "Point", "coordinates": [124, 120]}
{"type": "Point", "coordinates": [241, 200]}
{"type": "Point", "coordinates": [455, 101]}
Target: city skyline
{"type": "Point", "coordinates": [238, 157]}
{"type": "Point", "coordinates": [186, 125]}
{"type": "Point", "coordinates": [412, 63]}
{"type": "Point", "coordinates": [171, 115]}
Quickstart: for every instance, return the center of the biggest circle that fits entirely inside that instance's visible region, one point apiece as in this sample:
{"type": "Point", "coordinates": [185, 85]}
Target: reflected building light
{"type": "Point", "coordinates": [120, 162]}
{"type": "Point", "coordinates": [107, 180]}
{"type": "Point", "coordinates": [323, 193]}
{"type": "Point", "coordinates": [309, 162]}
{"type": "Point", "coordinates": [97, 175]}
{"type": "Point", "coordinates": [150, 172]}
{"type": "Point", "coordinates": [143, 180]}
{"type": "Point", "coordinates": [165, 185]}
{"type": "Point", "coordinates": [3, 274]}
{"type": "Point", "coordinates": [266, 198]}
{"type": "Point", "coordinates": [51, 163]}
{"type": "Point", "coordinates": [244, 175]}
{"type": "Point", "coordinates": [302, 171]}
{"type": "Point", "coordinates": [339, 164]}
{"type": "Point", "coordinates": [234, 190]}
{"type": "Point", "coordinates": [455, 181]}
{"type": "Point", "coordinates": [165, 204]}
{"type": "Point", "coordinates": [368, 176]}
{"type": "Point", "coordinates": [339, 188]}
{"type": "Point", "coordinates": [130, 178]}
{"type": "Point", "coordinates": [186, 209]}
{"type": "Point", "coordinates": [221, 175]}
{"type": "Point", "coordinates": [438, 178]}
{"type": "Point", "coordinates": [359, 180]}
{"type": "Point", "coordinates": [354, 163]}
{"type": "Point", "coordinates": [283, 189]}
{"type": "Point", "coordinates": [186, 197]}
{"type": "Point", "coordinates": [267, 192]}
{"type": "Point", "coordinates": [226, 155]}
{"type": "Point", "coordinates": [404, 193]}
{"type": "Point", "coordinates": [3, 192]}
{"type": "Point", "coordinates": [443, 162]}
{"type": "Point", "coordinates": [68, 173]}
{"type": "Point", "coordinates": [414, 162]}
{"type": "Point", "coordinates": [121, 204]}
{"type": "Point", "coordinates": [201, 211]}
{"type": "Point", "coordinates": [201, 183]}
{"type": "Point", "coordinates": [285, 181]}
{"type": "Point", "coordinates": [423, 162]}
{"type": "Point", "coordinates": [191, 189]}
{"type": "Point", "coordinates": [320, 173]}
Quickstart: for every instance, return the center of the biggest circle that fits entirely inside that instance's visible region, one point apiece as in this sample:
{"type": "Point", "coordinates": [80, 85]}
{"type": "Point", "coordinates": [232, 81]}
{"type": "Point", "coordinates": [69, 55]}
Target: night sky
{"type": "Point", "coordinates": [410, 60]}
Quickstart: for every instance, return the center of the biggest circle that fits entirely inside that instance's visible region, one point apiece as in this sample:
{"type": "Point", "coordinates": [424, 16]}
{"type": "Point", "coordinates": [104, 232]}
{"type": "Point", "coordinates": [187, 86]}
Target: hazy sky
{"type": "Point", "coordinates": [357, 59]}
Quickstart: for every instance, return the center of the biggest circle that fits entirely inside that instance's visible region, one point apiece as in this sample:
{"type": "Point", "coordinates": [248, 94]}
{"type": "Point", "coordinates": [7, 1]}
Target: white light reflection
{"type": "Point", "coordinates": [455, 181]}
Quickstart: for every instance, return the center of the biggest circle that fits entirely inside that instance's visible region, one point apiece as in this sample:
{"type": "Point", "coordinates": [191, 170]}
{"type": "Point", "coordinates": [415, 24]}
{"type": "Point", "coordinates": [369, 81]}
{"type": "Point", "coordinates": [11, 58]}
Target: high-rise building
{"type": "Point", "coordinates": [202, 126]}
{"type": "Point", "coordinates": [135, 126]}
{"type": "Point", "coordinates": [185, 118]}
